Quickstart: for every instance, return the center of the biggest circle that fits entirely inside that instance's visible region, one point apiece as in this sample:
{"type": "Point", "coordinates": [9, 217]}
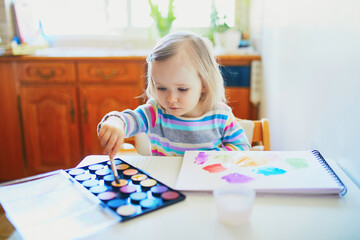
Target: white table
{"type": "Point", "coordinates": [273, 217]}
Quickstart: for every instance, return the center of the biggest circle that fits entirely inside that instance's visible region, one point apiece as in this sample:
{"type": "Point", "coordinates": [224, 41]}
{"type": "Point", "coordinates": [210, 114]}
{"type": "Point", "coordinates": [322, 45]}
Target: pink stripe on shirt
{"type": "Point", "coordinates": [229, 126]}
{"type": "Point", "coordinates": [153, 116]}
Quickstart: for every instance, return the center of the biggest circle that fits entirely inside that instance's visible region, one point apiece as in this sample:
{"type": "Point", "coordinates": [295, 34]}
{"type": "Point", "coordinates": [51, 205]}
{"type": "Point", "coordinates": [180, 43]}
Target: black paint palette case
{"type": "Point", "coordinates": [136, 194]}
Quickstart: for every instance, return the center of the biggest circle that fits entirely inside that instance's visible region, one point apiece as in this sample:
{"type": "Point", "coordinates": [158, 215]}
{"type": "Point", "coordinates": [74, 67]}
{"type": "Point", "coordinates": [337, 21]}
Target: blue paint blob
{"type": "Point", "coordinates": [91, 183]}
{"type": "Point", "coordinates": [108, 179]}
{"type": "Point", "coordinates": [138, 196]}
{"type": "Point", "coordinates": [98, 189]}
{"type": "Point", "coordinates": [116, 162]}
{"type": "Point", "coordinates": [268, 171]}
{"type": "Point", "coordinates": [95, 167]}
{"type": "Point", "coordinates": [76, 171]}
{"type": "Point", "coordinates": [115, 203]}
{"type": "Point", "coordinates": [150, 203]}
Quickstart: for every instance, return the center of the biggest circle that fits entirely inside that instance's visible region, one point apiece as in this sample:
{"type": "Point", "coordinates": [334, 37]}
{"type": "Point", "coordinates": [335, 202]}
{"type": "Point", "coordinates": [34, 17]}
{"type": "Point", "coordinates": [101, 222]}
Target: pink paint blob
{"type": "Point", "coordinates": [237, 178]}
{"type": "Point", "coordinates": [214, 168]}
{"type": "Point", "coordinates": [201, 158]}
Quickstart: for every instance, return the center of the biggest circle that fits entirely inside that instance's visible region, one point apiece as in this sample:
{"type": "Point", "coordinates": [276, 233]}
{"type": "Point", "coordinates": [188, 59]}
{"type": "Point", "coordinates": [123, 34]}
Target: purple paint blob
{"type": "Point", "coordinates": [201, 158]}
{"type": "Point", "coordinates": [237, 178]}
{"type": "Point", "coordinates": [268, 171]}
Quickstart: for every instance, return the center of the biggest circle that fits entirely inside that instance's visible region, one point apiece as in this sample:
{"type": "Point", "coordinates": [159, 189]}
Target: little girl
{"type": "Point", "coordinates": [186, 109]}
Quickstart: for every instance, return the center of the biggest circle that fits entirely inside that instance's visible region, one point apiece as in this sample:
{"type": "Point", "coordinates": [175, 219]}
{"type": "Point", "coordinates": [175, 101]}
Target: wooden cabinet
{"type": "Point", "coordinates": [50, 106]}
{"type": "Point", "coordinates": [62, 101]}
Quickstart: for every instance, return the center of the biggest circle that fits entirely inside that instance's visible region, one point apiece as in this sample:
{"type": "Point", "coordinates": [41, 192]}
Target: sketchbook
{"type": "Point", "coordinates": [267, 172]}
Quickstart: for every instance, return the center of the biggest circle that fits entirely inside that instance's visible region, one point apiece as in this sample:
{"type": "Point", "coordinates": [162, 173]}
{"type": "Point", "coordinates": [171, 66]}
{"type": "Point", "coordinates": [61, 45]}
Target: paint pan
{"type": "Point", "coordinates": [108, 179]}
{"type": "Point", "coordinates": [158, 190]}
{"type": "Point", "coordinates": [136, 179]}
{"type": "Point", "coordinates": [117, 186]}
{"type": "Point", "coordinates": [91, 183]}
{"type": "Point", "coordinates": [95, 167]}
{"type": "Point", "coordinates": [129, 173]}
{"type": "Point", "coordinates": [102, 172]}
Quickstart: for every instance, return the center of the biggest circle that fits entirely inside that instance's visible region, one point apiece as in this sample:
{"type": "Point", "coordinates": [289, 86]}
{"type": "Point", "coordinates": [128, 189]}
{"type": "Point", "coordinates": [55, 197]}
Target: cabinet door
{"type": "Point", "coordinates": [51, 127]}
{"type": "Point", "coordinates": [95, 102]}
{"type": "Point", "coordinates": [11, 151]}
{"type": "Point", "coordinates": [238, 99]}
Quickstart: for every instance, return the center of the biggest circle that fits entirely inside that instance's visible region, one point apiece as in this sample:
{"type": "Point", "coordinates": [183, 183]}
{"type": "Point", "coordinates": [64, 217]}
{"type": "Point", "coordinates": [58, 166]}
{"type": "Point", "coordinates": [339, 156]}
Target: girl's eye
{"type": "Point", "coordinates": [161, 88]}
{"type": "Point", "coordinates": [183, 89]}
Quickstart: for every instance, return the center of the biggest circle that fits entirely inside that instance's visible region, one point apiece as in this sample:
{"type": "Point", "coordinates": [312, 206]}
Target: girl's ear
{"type": "Point", "coordinates": [204, 90]}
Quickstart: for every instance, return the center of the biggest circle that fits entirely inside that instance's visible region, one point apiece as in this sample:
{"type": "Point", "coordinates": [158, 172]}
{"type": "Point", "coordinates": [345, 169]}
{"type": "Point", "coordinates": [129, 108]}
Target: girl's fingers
{"type": "Point", "coordinates": [105, 138]}
{"type": "Point", "coordinates": [117, 146]}
{"type": "Point", "coordinates": [102, 131]}
{"type": "Point", "coordinates": [105, 152]}
{"type": "Point", "coordinates": [111, 143]}
{"type": "Point", "coordinates": [101, 134]}
{"type": "Point", "coordinates": [111, 138]}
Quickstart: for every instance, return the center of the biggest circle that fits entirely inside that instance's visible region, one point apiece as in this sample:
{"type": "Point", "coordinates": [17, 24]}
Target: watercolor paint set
{"type": "Point", "coordinates": [135, 194]}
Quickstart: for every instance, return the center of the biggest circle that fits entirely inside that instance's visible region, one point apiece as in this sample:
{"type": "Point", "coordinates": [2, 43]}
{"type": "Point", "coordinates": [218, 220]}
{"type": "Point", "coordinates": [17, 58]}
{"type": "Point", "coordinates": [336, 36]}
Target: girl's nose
{"type": "Point", "coordinates": [172, 98]}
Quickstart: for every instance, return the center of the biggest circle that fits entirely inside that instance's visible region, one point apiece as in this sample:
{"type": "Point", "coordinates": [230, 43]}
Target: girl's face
{"type": "Point", "coordinates": [178, 86]}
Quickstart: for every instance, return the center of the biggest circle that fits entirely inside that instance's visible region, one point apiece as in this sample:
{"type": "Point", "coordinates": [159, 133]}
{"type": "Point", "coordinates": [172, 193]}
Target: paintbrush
{"type": "Point", "coordinates": [113, 168]}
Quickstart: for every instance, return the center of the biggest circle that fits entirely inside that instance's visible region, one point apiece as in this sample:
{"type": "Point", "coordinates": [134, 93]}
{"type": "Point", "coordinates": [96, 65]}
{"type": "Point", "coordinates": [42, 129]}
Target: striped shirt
{"type": "Point", "coordinates": [216, 130]}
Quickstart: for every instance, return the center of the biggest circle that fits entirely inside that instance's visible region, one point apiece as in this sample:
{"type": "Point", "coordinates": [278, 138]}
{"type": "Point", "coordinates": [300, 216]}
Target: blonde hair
{"type": "Point", "coordinates": [201, 53]}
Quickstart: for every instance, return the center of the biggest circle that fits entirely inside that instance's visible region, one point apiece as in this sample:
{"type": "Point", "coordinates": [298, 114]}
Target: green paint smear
{"type": "Point", "coordinates": [222, 157]}
{"type": "Point", "coordinates": [297, 163]}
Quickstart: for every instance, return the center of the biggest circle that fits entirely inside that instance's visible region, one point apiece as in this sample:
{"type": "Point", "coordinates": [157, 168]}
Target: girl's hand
{"type": "Point", "coordinates": [111, 135]}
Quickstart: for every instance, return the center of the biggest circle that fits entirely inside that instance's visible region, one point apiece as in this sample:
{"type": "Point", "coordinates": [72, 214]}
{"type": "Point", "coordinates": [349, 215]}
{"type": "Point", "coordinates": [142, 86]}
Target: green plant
{"type": "Point", "coordinates": [216, 23]}
{"type": "Point", "coordinates": [163, 24]}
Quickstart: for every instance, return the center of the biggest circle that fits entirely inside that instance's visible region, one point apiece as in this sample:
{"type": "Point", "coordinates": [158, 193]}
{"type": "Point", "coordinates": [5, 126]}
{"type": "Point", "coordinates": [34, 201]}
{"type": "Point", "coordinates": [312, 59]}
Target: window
{"type": "Point", "coordinates": [113, 17]}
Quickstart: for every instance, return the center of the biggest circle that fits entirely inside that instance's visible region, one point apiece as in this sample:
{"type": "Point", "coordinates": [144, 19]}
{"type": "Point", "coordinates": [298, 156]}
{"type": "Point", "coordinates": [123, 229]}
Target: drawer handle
{"type": "Point", "coordinates": [45, 76]}
{"type": "Point", "coordinates": [72, 112]}
{"type": "Point", "coordinates": [107, 76]}
{"type": "Point", "coordinates": [85, 111]}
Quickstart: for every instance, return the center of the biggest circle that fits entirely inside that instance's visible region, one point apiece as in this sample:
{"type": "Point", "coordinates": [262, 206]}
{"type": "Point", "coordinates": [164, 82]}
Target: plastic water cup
{"type": "Point", "coordinates": [233, 203]}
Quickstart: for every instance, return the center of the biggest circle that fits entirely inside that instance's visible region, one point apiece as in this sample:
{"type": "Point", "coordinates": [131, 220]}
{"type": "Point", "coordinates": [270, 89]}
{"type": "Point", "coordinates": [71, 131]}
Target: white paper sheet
{"type": "Point", "coordinates": [53, 207]}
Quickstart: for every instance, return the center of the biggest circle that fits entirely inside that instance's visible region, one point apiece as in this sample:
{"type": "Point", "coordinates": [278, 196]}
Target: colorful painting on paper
{"type": "Point", "coordinates": [264, 170]}
{"type": "Point", "coordinates": [241, 167]}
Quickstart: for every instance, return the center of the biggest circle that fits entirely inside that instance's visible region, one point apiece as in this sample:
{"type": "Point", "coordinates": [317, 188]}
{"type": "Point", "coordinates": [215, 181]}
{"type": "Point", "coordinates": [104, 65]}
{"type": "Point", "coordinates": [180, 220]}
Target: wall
{"type": "Point", "coordinates": [311, 59]}
{"type": "Point", "coordinates": [6, 32]}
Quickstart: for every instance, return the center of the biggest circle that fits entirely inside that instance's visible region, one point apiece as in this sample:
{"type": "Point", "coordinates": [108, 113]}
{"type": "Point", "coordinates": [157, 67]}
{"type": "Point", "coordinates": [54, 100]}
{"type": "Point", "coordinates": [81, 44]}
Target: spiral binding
{"type": "Point", "coordinates": [323, 162]}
